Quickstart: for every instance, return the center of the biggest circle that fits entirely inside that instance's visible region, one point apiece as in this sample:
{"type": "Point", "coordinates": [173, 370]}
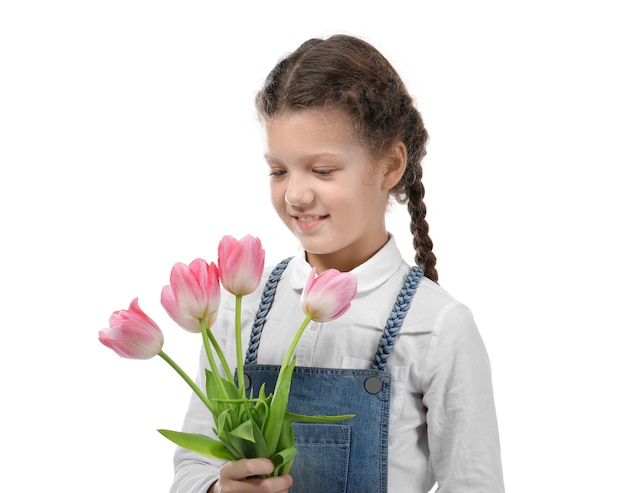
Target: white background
{"type": "Point", "coordinates": [128, 141]}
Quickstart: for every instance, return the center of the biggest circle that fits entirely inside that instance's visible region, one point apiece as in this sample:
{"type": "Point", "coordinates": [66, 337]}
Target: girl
{"type": "Point", "coordinates": [342, 138]}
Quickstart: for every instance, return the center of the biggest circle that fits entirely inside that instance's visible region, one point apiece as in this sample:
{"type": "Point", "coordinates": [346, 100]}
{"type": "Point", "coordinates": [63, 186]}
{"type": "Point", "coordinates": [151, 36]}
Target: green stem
{"type": "Point", "coordinates": [274, 424]}
{"type": "Point", "coordinates": [220, 355]}
{"type": "Point", "coordinates": [189, 381]}
{"type": "Point", "coordinates": [209, 353]}
{"type": "Point", "coordinates": [292, 348]}
{"type": "Point", "coordinates": [240, 377]}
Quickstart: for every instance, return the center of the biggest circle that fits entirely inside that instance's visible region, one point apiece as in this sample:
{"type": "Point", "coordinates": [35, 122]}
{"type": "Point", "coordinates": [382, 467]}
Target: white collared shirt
{"type": "Point", "coordinates": [442, 419]}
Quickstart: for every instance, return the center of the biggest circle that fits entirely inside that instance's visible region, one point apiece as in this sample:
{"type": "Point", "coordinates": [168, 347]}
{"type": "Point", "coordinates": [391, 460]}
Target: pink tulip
{"type": "Point", "coordinates": [327, 296]}
{"type": "Point", "coordinates": [240, 264]}
{"type": "Point", "coordinates": [193, 295]}
{"type": "Point", "coordinates": [132, 334]}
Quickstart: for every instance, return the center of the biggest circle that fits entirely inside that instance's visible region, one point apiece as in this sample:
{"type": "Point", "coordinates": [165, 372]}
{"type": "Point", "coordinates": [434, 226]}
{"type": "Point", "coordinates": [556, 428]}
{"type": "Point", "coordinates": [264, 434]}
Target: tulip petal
{"type": "Point", "coordinates": [171, 306]}
{"type": "Point", "coordinates": [132, 334]}
{"type": "Point", "coordinates": [240, 264]}
{"type": "Point", "coordinates": [193, 294]}
{"type": "Point", "coordinates": [188, 293]}
{"type": "Point", "coordinates": [328, 296]}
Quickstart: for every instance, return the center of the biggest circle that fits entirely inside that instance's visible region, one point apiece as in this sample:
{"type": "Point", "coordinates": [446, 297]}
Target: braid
{"type": "Point", "coordinates": [348, 74]}
{"type": "Point", "coordinates": [411, 190]}
{"type": "Point", "coordinates": [424, 255]}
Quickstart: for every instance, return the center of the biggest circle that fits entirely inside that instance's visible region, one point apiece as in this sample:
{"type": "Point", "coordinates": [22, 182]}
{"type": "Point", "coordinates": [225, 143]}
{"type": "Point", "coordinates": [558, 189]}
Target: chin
{"type": "Point", "coordinates": [316, 247]}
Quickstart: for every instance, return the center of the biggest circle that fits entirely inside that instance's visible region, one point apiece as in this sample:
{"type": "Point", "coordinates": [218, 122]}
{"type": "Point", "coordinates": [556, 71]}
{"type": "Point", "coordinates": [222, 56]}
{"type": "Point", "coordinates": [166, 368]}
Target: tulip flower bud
{"type": "Point", "coordinates": [327, 296]}
{"type": "Point", "coordinates": [193, 294]}
{"type": "Point", "coordinates": [132, 334]}
{"type": "Point", "coordinates": [240, 264]}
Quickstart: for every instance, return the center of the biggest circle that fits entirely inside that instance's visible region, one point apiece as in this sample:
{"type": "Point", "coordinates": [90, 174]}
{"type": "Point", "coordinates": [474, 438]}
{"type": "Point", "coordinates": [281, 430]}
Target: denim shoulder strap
{"type": "Point", "coordinates": [387, 339]}
{"type": "Point", "coordinates": [264, 307]}
{"type": "Point", "coordinates": [396, 317]}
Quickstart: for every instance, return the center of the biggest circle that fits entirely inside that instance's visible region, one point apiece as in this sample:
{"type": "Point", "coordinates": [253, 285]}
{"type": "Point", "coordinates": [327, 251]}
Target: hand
{"type": "Point", "coordinates": [239, 477]}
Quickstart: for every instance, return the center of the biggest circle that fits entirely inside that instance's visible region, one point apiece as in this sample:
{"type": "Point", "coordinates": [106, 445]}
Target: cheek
{"type": "Point", "coordinates": [277, 195]}
{"type": "Point", "coordinates": [358, 191]}
{"type": "Point", "coordinates": [367, 200]}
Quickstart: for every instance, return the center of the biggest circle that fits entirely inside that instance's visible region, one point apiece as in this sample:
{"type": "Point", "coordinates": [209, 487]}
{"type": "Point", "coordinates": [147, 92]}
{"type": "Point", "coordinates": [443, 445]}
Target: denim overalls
{"type": "Point", "coordinates": [348, 456]}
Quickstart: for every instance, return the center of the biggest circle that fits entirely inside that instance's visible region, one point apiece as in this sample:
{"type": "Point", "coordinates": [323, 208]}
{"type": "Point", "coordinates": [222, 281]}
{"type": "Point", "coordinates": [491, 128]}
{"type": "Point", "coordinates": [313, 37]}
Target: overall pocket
{"type": "Point", "coordinates": [321, 464]}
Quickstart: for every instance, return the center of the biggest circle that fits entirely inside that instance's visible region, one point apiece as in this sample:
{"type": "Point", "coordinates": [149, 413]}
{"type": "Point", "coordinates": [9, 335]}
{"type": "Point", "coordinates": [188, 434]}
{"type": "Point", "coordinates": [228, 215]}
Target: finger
{"type": "Point", "coordinates": [246, 468]}
{"type": "Point", "coordinates": [278, 484]}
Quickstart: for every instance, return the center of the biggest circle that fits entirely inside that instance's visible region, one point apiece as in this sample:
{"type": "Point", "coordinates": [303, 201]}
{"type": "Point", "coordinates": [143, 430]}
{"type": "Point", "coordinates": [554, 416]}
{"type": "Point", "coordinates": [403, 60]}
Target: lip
{"type": "Point", "coordinates": [308, 222]}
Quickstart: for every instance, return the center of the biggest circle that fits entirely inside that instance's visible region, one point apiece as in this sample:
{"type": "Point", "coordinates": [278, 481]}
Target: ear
{"type": "Point", "coordinates": [395, 164]}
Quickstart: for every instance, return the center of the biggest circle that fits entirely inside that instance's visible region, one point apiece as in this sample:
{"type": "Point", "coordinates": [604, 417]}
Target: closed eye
{"type": "Point", "coordinates": [277, 172]}
{"type": "Point", "coordinates": [324, 171]}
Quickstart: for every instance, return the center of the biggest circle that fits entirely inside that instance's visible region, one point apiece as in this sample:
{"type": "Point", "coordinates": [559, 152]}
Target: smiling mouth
{"type": "Point", "coordinates": [308, 223]}
{"type": "Point", "coordinates": [308, 219]}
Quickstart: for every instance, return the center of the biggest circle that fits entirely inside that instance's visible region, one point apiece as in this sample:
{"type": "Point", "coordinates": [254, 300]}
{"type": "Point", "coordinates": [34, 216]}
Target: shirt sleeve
{"type": "Point", "coordinates": [194, 473]}
{"type": "Point", "coordinates": [461, 419]}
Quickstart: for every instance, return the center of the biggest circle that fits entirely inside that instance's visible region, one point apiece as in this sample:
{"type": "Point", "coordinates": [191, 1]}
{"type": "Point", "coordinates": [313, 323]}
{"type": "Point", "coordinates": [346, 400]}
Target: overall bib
{"type": "Point", "coordinates": [348, 456]}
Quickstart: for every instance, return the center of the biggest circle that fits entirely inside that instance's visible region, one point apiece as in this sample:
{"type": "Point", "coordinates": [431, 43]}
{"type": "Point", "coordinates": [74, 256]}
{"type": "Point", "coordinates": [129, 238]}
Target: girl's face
{"type": "Point", "coordinates": [327, 188]}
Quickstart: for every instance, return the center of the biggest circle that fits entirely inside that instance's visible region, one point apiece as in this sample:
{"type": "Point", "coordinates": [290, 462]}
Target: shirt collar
{"type": "Point", "coordinates": [370, 274]}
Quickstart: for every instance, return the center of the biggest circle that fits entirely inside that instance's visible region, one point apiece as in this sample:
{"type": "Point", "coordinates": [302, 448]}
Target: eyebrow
{"type": "Point", "coordinates": [313, 157]}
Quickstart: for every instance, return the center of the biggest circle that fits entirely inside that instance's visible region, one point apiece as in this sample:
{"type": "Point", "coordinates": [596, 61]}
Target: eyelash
{"type": "Point", "coordinates": [321, 172]}
{"type": "Point", "coordinates": [324, 171]}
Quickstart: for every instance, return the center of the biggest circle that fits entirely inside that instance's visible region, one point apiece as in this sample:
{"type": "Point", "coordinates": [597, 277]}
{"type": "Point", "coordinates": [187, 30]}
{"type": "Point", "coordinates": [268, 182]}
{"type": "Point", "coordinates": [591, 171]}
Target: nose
{"type": "Point", "coordinates": [299, 192]}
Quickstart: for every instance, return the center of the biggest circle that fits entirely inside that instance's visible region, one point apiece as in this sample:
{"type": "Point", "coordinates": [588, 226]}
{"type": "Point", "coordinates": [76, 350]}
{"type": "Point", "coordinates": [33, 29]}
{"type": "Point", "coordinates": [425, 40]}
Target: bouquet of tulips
{"type": "Point", "coordinates": [246, 426]}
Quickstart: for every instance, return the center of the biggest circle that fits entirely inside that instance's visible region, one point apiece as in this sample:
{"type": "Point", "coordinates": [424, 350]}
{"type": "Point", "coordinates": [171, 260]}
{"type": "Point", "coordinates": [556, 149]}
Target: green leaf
{"type": "Point", "coordinates": [318, 418]}
{"type": "Point", "coordinates": [261, 411]}
{"type": "Point", "coordinates": [244, 431]}
{"type": "Point", "coordinates": [213, 389]}
{"type": "Point", "coordinates": [278, 407]}
{"type": "Point", "coordinates": [198, 443]}
{"type": "Point", "coordinates": [262, 392]}
{"type": "Point", "coordinates": [286, 439]}
{"type": "Point", "coordinates": [282, 460]}
{"type": "Point", "coordinates": [225, 423]}
{"type": "Point", "coordinates": [249, 440]}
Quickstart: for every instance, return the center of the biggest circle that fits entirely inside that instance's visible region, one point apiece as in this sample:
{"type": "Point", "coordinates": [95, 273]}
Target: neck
{"type": "Point", "coordinates": [344, 260]}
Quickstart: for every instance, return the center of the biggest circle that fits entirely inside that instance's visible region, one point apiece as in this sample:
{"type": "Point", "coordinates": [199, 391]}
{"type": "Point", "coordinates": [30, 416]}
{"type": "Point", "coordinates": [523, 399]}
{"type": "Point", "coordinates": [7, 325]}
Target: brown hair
{"type": "Point", "coordinates": [348, 74]}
